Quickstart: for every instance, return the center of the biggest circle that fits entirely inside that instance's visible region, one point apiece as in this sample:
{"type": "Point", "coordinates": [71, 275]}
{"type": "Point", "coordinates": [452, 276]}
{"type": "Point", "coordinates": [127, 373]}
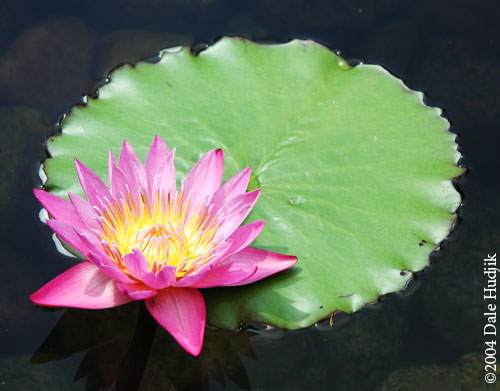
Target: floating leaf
{"type": "Point", "coordinates": [355, 170]}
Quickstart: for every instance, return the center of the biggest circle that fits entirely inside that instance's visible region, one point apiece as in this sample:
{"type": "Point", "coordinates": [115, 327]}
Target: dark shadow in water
{"type": "Point", "coordinates": [129, 374]}
{"type": "Point", "coordinates": [124, 356]}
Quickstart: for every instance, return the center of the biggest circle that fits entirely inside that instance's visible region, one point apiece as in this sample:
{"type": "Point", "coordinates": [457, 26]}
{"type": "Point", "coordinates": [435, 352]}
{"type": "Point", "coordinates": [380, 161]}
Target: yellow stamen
{"type": "Point", "coordinates": [158, 227]}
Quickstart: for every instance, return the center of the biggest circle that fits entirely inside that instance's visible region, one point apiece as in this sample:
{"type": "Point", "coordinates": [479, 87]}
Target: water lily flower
{"type": "Point", "coordinates": [145, 240]}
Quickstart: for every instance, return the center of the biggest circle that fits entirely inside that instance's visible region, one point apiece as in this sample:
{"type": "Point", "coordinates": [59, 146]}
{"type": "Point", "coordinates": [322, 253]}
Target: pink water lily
{"type": "Point", "coordinates": [145, 240]}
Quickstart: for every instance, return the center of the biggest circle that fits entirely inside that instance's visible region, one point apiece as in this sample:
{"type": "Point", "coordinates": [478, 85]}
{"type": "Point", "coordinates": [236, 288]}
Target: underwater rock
{"type": "Point", "coordinates": [466, 374]}
{"type": "Point", "coordinates": [48, 66]}
{"type": "Point", "coordinates": [470, 372]}
{"type": "Point", "coordinates": [132, 45]}
{"type": "Point", "coordinates": [426, 378]}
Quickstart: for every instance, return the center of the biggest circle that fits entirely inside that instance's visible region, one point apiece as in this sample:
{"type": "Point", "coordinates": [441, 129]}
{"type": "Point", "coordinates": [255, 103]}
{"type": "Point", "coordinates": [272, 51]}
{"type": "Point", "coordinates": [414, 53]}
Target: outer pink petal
{"type": "Point", "coordinates": [94, 188]}
{"type": "Point", "coordinates": [68, 234]}
{"type": "Point", "coordinates": [132, 167]}
{"type": "Point", "coordinates": [160, 169]}
{"type": "Point", "coordinates": [82, 286]}
{"type": "Point", "coordinates": [137, 291]}
{"type": "Point", "coordinates": [267, 262]}
{"type": "Point", "coordinates": [235, 211]}
{"type": "Point", "coordinates": [203, 180]}
{"type": "Point", "coordinates": [59, 208]}
{"type": "Point", "coordinates": [181, 311]}
{"type": "Point", "coordinates": [85, 211]}
{"type": "Point", "coordinates": [234, 186]}
{"type": "Point", "coordinates": [229, 274]}
{"type": "Point", "coordinates": [245, 235]}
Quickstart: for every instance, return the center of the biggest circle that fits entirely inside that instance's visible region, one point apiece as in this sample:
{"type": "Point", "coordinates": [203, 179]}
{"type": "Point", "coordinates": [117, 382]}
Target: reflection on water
{"type": "Point", "coordinates": [119, 342]}
{"type": "Point", "coordinates": [52, 54]}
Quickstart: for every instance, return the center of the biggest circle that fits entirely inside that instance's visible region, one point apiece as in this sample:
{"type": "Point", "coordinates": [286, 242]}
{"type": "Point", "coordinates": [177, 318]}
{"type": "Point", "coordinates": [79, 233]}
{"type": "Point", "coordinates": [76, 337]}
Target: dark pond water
{"type": "Point", "coordinates": [429, 337]}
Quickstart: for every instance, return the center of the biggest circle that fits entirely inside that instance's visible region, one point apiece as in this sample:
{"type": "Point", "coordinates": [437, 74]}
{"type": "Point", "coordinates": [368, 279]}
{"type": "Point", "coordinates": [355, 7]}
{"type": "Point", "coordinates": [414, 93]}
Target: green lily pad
{"type": "Point", "coordinates": [355, 170]}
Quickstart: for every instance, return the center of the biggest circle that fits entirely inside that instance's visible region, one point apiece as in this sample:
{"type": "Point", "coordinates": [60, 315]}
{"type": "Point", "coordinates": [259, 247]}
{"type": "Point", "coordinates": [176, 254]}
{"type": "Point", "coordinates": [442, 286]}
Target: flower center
{"type": "Point", "coordinates": [161, 230]}
{"type": "Point", "coordinates": [152, 241]}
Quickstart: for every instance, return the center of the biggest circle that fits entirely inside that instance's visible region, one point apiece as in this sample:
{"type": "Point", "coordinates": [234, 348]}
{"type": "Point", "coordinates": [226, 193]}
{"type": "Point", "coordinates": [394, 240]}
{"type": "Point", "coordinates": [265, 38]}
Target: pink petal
{"type": "Point", "coordinates": [106, 265]}
{"type": "Point", "coordinates": [85, 211]}
{"type": "Point", "coordinates": [192, 279]}
{"type": "Point", "coordinates": [204, 269]}
{"type": "Point", "coordinates": [162, 279]}
{"type": "Point", "coordinates": [136, 264]}
{"type": "Point", "coordinates": [160, 169]}
{"type": "Point", "coordinates": [229, 274]}
{"type": "Point", "coordinates": [234, 186]}
{"type": "Point", "coordinates": [123, 186]}
{"type": "Point", "coordinates": [94, 188]}
{"type": "Point", "coordinates": [59, 208]}
{"type": "Point", "coordinates": [67, 234]}
{"type": "Point", "coordinates": [137, 291]}
{"type": "Point", "coordinates": [132, 167]}
{"type": "Point", "coordinates": [267, 262]}
{"type": "Point", "coordinates": [245, 235]}
{"type": "Point", "coordinates": [98, 257]}
{"type": "Point", "coordinates": [203, 180]}
{"type": "Point", "coordinates": [235, 211]}
{"type": "Point", "coordinates": [181, 311]}
{"type": "Point", "coordinates": [90, 240]}
{"type": "Point", "coordinates": [82, 286]}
